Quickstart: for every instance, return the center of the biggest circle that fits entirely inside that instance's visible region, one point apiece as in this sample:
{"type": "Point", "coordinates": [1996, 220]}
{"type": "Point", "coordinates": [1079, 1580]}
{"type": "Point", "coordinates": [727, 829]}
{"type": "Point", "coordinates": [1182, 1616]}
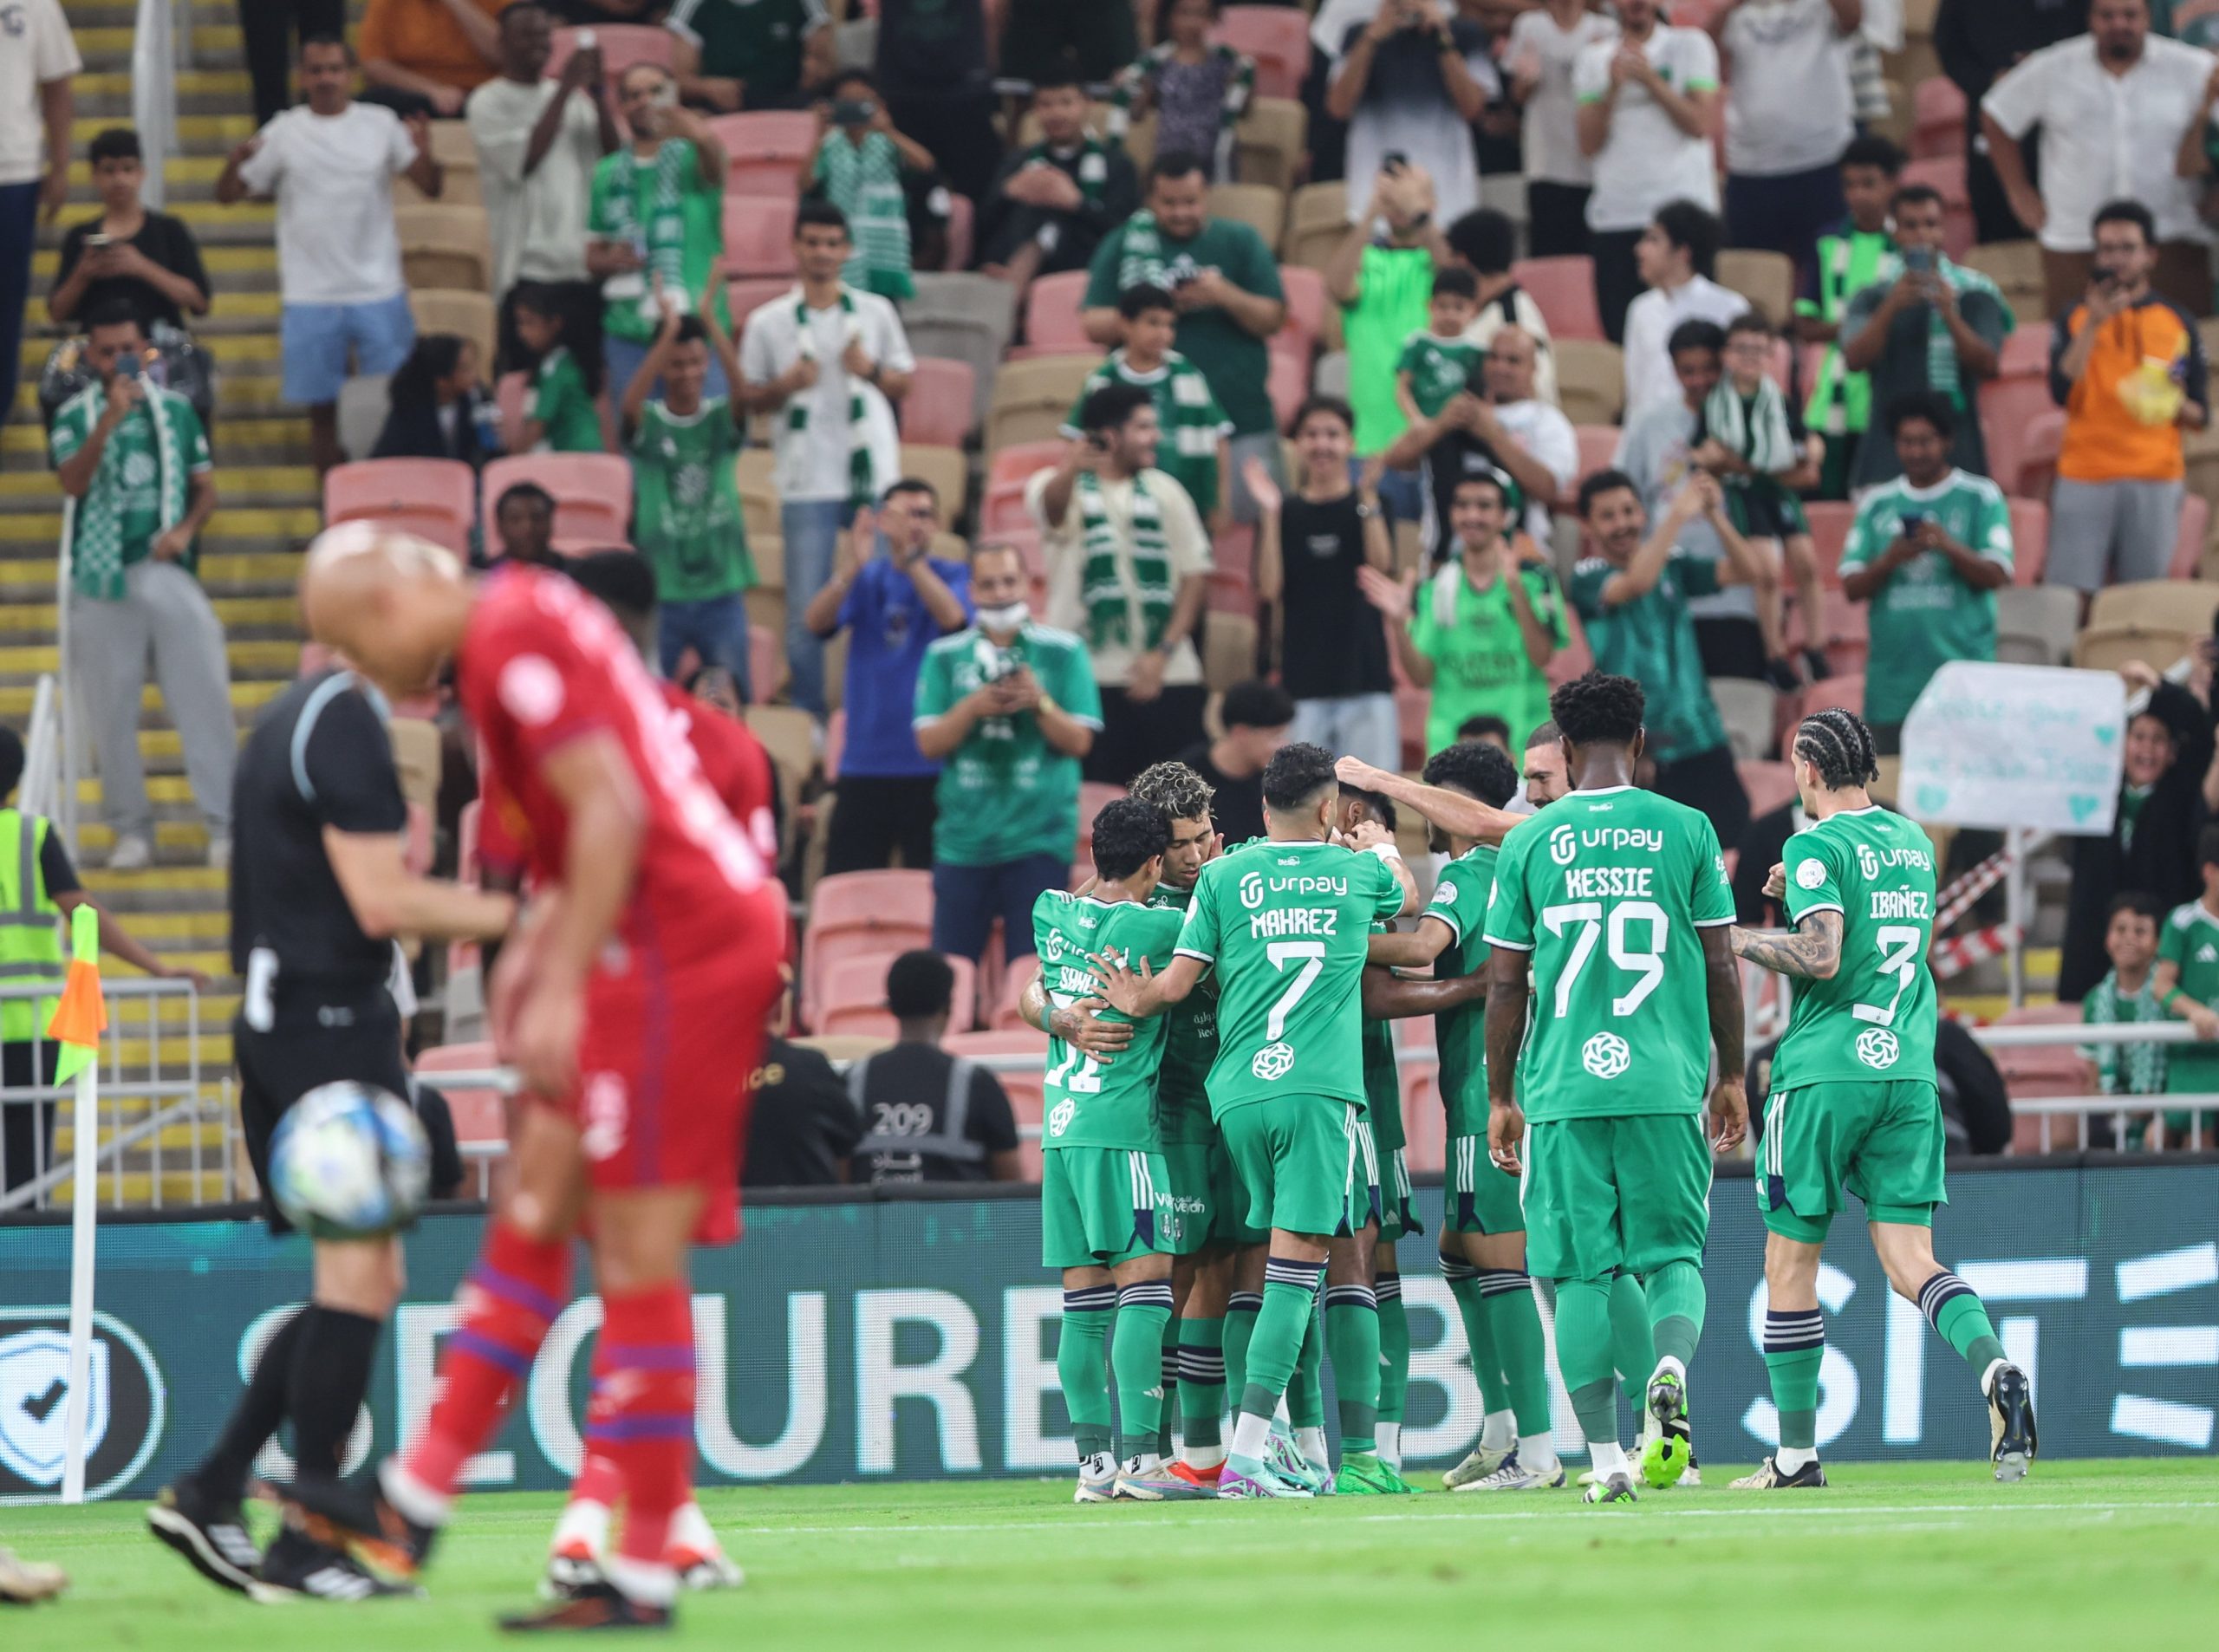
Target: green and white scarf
{"type": "Point", "coordinates": [1756, 430]}
{"type": "Point", "coordinates": [862, 485]}
{"type": "Point", "coordinates": [660, 228]}
{"type": "Point", "coordinates": [1140, 261]}
{"type": "Point", "coordinates": [864, 181]}
{"type": "Point", "coordinates": [1941, 349]}
{"type": "Point", "coordinates": [1108, 615]}
{"type": "Point", "coordinates": [1189, 414]}
{"type": "Point", "coordinates": [95, 522]}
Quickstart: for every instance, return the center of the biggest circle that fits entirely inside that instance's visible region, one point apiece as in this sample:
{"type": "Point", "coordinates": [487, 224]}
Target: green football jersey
{"type": "Point", "coordinates": [1287, 927]}
{"type": "Point", "coordinates": [1182, 1097]}
{"type": "Point", "coordinates": [1088, 1105]}
{"type": "Point", "coordinates": [1606, 889]}
{"type": "Point", "coordinates": [2190, 941]}
{"type": "Point", "coordinates": [1875, 1018]}
{"type": "Point", "coordinates": [1383, 1077]}
{"type": "Point", "coordinates": [1459, 900]}
{"type": "Point", "coordinates": [686, 514]}
{"type": "Point", "coordinates": [1438, 368]}
{"type": "Point", "coordinates": [560, 402]}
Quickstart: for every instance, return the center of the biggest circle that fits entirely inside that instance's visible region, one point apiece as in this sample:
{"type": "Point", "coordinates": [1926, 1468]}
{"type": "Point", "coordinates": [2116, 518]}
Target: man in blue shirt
{"type": "Point", "coordinates": [893, 606]}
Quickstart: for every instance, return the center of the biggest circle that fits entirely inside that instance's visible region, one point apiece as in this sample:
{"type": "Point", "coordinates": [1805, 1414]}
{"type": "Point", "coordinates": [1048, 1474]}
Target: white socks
{"type": "Point", "coordinates": [1251, 1434]}
{"type": "Point", "coordinates": [1390, 1437]}
{"type": "Point", "coordinates": [1203, 1459]}
{"type": "Point", "coordinates": [690, 1533]}
{"type": "Point", "coordinates": [637, 1580]}
{"type": "Point", "coordinates": [1607, 1459]}
{"type": "Point", "coordinates": [1788, 1458]}
{"type": "Point", "coordinates": [1310, 1443]}
{"type": "Point", "coordinates": [415, 1500]}
{"type": "Point", "coordinates": [1501, 1433]}
{"type": "Point", "coordinates": [1538, 1451]}
{"type": "Point", "coordinates": [585, 1526]}
{"type": "Point", "coordinates": [1147, 1463]}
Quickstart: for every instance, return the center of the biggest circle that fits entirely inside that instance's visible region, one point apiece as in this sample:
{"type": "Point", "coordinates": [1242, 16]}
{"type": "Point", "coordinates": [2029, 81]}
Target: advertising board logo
{"type": "Point", "coordinates": [125, 1404]}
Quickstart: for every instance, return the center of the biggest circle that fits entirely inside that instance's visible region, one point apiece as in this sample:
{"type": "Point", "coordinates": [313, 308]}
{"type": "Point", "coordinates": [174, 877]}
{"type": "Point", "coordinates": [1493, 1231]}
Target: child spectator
{"type": "Point", "coordinates": [438, 408]}
{"type": "Point", "coordinates": [2128, 996]}
{"type": "Point", "coordinates": [863, 166]}
{"type": "Point", "coordinates": [569, 409]}
{"type": "Point", "coordinates": [685, 516]}
{"type": "Point", "coordinates": [1750, 439]}
{"type": "Point", "coordinates": [1196, 451]}
{"type": "Point", "coordinates": [1437, 365]}
{"type": "Point", "coordinates": [1199, 90]}
{"type": "Point", "coordinates": [2188, 984]}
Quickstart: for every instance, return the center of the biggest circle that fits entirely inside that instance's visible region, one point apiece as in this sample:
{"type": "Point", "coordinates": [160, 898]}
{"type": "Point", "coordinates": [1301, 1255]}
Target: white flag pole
{"type": "Point", "coordinates": [84, 1210]}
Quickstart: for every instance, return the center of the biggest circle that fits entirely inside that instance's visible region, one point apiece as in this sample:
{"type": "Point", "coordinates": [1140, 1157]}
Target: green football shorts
{"type": "Point", "coordinates": [1204, 1195]}
{"type": "Point", "coordinates": [1880, 1139]}
{"type": "Point", "coordinates": [1603, 1194]}
{"type": "Point", "coordinates": [1103, 1205]}
{"type": "Point", "coordinates": [1478, 1198]}
{"type": "Point", "coordinates": [1295, 1156]}
{"type": "Point", "coordinates": [1364, 1190]}
{"type": "Point", "coordinates": [1399, 1214]}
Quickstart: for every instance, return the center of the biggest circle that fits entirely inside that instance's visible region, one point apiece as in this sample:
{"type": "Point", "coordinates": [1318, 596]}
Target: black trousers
{"type": "Point", "coordinates": [1617, 278]}
{"type": "Point", "coordinates": [959, 129]}
{"type": "Point", "coordinates": [877, 815]}
{"type": "Point", "coordinates": [271, 31]}
{"type": "Point", "coordinates": [1709, 783]}
{"type": "Point", "coordinates": [1137, 732]}
{"type": "Point", "coordinates": [1557, 219]}
{"type": "Point", "coordinates": [26, 1127]}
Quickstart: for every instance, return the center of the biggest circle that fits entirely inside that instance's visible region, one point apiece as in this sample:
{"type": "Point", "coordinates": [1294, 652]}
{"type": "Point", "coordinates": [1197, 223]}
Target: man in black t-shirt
{"type": "Point", "coordinates": [319, 891]}
{"type": "Point", "coordinates": [1308, 546]}
{"type": "Point", "coordinates": [1256, 716]}
{"type": "Point", "coordinates": [802, 1126]}
{"type": "Point", "coordinates": [929, 1115]}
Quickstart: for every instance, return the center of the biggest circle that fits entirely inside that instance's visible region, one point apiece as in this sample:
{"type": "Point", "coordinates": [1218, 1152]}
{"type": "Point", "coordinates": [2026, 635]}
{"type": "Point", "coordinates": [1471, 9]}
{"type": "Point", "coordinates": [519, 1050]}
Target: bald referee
{"type": "Point", "coordinates": [319, 893]}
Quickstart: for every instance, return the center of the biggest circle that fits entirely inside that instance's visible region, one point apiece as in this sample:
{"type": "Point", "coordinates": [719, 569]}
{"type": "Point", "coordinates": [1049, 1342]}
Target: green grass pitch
{"type": "Point", "coordinates": [1897, 1556]}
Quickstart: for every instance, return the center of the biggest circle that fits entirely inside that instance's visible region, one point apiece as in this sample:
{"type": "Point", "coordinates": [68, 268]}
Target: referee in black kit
{"type": "Point", "coordinates": [319, 891]}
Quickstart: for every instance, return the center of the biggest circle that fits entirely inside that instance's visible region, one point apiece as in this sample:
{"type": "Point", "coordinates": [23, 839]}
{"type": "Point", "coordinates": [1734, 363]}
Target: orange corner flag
{"type": "Point", "coordinates": [81, 1016]}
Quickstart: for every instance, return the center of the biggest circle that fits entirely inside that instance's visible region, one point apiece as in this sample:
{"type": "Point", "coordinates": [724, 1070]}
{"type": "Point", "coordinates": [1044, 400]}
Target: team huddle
{"type": "Point", "coordinates": [1223, 1135]}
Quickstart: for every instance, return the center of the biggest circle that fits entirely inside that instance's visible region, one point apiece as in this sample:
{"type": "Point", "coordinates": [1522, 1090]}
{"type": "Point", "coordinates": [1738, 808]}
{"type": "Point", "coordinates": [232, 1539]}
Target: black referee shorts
{"type": "Point", "coordinates": [359, 1042]}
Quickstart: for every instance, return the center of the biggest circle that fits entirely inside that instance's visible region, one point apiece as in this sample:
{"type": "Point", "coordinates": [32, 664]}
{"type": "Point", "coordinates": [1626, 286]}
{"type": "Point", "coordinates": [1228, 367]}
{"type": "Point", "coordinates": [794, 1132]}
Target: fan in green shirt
{"type": "Point", "coordinates": [1849, 254]}
{"type": "Point", "coordinates": [1437, 365]}
{"type": "Point", "coordinates": [1224, 278]}
{"type": "Point", "coordinates": [1928, 551]}
{"type": "Point", "coordinates": [2188, 986]}
{"type": "Point", "coordinates": [1381, 274]}
{"type": "Point", "coordinates": [657, 209]}
{"type": "Point", "coordinates": [564, 414]}
{"type": "Point", "coordinates": [1193, 452]}
{"type": "Point", "coordinates": [686, 512]}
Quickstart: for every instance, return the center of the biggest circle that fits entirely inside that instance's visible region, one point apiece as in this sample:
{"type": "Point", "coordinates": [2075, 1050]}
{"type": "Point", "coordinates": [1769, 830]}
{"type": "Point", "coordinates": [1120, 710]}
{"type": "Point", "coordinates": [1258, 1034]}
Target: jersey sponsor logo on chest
{"type": "Point", "coordinates": [1870, 859]}
{"type": "Point", "coordinates": [1254, 886]}
{"type": "Point", "coordinates": [1566, 841]}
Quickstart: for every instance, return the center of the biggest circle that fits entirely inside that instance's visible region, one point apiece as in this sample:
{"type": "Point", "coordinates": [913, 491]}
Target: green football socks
{"type": "Point", "coordinates": [1393, 1349]}
{"type": "Point", "coordinates": [1136, 1362]}
{"type": "Point", "coordinates": [1957, 1313]}
{"type": "Point", "coordinates": [1305, 1386]}
{"type": "Point", "coordinates": [1290, 1306]}
{"type": "Point", "coordinates": [1675, 1312]}
{"type": "Point", "coordinates": [1633, 1345]}
{"type": "Point", "coordinates": [1352, 1337]}
{"type": "Point", "coordinates": [1202, 1381]}
{"type": "Point", "coordinates": [1584, 1357]}
{"type": "Point", "coordinates": [1478, 1333]}
{"type": "Point", "coordinates": [1240, 1310]}
{"type": "Point", "coordinates": [1080, 1367]}
{"type": "Point", "coordinates": [1795, 1347]}
{"type": "Point", "coordinates": [1514, 1321]}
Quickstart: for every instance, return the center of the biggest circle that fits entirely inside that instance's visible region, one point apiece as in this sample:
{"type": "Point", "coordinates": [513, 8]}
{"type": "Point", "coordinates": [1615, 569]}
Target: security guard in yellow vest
{"type": "Point", "coordinates": [38, 889]}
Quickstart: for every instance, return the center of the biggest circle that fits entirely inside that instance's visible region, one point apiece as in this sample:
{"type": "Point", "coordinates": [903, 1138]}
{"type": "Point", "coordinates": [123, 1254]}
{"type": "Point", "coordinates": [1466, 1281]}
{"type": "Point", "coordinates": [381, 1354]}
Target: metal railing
{"type": "Point", "coordinates": [164, 1102]}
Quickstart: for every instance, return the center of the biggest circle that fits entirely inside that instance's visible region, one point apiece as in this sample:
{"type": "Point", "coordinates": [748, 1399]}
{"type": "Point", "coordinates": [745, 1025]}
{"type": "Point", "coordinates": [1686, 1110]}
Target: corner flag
{"type": "Point", "coordinates": [81, 1016]}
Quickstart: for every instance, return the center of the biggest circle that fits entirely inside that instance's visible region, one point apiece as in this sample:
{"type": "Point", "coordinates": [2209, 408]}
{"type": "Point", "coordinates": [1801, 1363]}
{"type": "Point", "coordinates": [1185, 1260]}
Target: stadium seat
{"type": "Point", "coordinates": [1228, 651]}
{"type": "Point", "coordinates": [480, 1115]}
{"type": "Point", "coordinates": [937, 411]}
{"type": "Point", "coordinates": [965, 318]}
{"type": "Point", "coordinates": [1032, 398]}
{"type": "Point", "coordinates": [1317, 222]}
{"type": "Point", "coordinates": [364, 401]}
{"type": "Point", "coordinates": [743, 298]}
{"type": "Point", "coordinates": [433, 498]}
{"type": "Point", "coordinates": [2035, 624]}
{"type": "Point", "coordinates": [1008, 472]}
{"type": "Point", "coordinates": [854, 914]}
{"type": "Point", "coordinates": [1269, 143]}
{"type": "Point", "coordinates": [945, 468]}
{"type": "Point", "coordinates": [1766, 279]}
{"type": "Point", "coordinates": [1307, 307]}
{"type": "Point", "coordinates": [1946, 173]}
{"type": "Point", "coordinates": [1262, 209]}
{"type": "Point", "coordinates": [1770, 785]}
{"type": "Point", "coordinates": [1092, 795]}
{"type": "Point", "coordinates": [1830, 520]}
{"type": "Point", "coordinates": [2029, 540]}
{"type": "Point", "coordinates": [2157, 604]}
{"type": "Point", "coordinates": [1563, 291]}
{"type": "Point", "coordinates": [1751, 711]}
{"type": "Point", "coordinates": [2037, 475]}
{"type": "Point", "coordinates": [460, 185]}
{"type": "Point", "coordinates": [467, 316]}
{"type": "Point", "coordinates": [446, 247]}
{"type": "Point", "coordinates": [1847, 629]}
{"type": "Point", "coordinates": [1287, 382]}
{"type": "Point", "coordinates": [758, 509]}
{"type": "Point", "coordinates": [1052, 324]}
{"type": "Point", "coordinates": [766, 663]}
{"type": "Point", "coordinates": [1023, 1086]}
{"type": "Point", "coordinates": [621, 45]}
{"type": "Point", "coordinates": [2010, 408]}
{"type": "Point", "coordinates": [1331, 376]}
{"type": "Point", "coordinates": [2195, 528]}
{"type": "Point", "coordinates": [2106, 647]}
{"type": "Point", "coordinates": [1598, 446]}
{"type": "Point", "coordinates": [767, 147]}
{"type": "Point", "coordinates": [2016, 267]}
{"type": "Point", "coordinates": [1014, 980]}
{"type": "Point", "coordinates": [1591, 378]}
{"type": "Point", "coordinates": [759, 235]}
{"type": "Point", "coordinates": [593, 491]}
{"type": "Point", "coordinates": [1846, 693]}
{"type": "Point", "coordinates": [1937, 119]}
{"type": "Point", "coordinates": [1277, 37]}
{"type": "Point", "coordinates": [855, 998]}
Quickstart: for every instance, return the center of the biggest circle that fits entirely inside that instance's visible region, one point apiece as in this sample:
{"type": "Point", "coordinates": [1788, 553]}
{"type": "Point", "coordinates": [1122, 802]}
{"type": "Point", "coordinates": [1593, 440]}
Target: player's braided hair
{"type": "Point", "coordinates": [1128, 834]}
{"type": "Point", "coordinates": [1840, 747]}
{"type": "Point", "coordinates": [1175, 788]}
{"type": "Point", "coordinates": [1598, 709]}
{"type": "Point", "coordinates": [1296, 774]}
{"type": "Point", "coordinates": [1477, 767]}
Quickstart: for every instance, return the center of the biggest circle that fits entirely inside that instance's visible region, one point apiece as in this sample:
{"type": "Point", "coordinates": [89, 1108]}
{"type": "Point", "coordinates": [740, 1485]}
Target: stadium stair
{"type": "Point", "coordinates": [249, 560]}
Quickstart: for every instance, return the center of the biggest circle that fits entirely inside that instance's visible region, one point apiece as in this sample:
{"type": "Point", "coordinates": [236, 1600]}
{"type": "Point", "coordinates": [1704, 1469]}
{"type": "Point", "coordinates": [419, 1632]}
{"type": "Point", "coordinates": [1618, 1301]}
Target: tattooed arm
{"type": "Point", "coordinates": [1810, 951]}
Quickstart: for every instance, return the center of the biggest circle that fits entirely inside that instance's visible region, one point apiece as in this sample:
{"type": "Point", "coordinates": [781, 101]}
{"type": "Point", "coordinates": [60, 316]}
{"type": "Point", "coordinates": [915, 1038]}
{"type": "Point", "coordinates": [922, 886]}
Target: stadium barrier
{"type": "Point", "coordinates": [852, 1337]}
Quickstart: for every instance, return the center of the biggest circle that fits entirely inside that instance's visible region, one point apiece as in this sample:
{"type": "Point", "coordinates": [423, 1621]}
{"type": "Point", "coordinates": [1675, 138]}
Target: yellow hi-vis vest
{"type": "Point", "coordinates": [30, 928]}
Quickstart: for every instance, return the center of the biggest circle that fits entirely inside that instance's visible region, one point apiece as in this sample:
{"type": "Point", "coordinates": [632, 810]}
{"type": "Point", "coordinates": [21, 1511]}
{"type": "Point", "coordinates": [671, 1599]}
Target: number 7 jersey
{"type": "Point", "coordinates": [1874, 1021]}
{"type": "Point", "coordinates": [1608, 890]}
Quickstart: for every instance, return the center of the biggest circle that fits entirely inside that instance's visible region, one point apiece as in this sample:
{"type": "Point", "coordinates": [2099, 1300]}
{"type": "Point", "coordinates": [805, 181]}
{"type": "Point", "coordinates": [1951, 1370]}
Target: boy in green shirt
{"type": "Point", "coordinates": [686, 510]}
{"type": "Point", "coordinates": [2188, 986]}
{"type": "Point", "coordinates": [2127, 996]}
{"type": "Point", "coordinates": [1195, 452]}
{"type": "Point", "coordinates": [1437, 365]}
{"type": "Point", "coordinates": [1840, 406]}
{"type": "Point", "coordinates": [1928, 551]}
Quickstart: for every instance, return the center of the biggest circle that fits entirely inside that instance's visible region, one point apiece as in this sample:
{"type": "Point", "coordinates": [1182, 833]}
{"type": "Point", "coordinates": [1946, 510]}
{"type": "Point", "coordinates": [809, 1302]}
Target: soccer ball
{"type": "Point", "coordinates": [349, 1160]}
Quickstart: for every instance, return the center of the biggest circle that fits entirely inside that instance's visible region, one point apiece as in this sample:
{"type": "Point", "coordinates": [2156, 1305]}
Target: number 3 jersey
{"type": "Point", "coordinates": [1288, 928]}
{"type": "Point", "coordinates": [1088, 1104]}
{"type": "Point", "coordinates": [1874, 1020]}
{"type": "Point", "coordinates": [1607, 890]}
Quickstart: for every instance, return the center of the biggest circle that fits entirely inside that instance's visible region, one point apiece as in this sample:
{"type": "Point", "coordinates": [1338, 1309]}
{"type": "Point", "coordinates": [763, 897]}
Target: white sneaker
{"type": "Point", "coordinates": [1514, 1476]}
{"type": "Point", "coordinates": [219, 854]}
{"type": "Point", "coordinates": [1097, 1479]}
{"type": "Point", "coordinates": [1482, 1461]}
{"type": "Point", "coordinates": [132, 854]}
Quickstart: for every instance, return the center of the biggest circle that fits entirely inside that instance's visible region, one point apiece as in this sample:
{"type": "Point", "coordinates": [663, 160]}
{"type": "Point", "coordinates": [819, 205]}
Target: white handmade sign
{"type": "Point", "coordinates": [2030, 746]}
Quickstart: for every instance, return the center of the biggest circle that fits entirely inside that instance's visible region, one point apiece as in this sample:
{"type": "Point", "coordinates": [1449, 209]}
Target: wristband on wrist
{"type": "Point", "coordinates": [1385, 851]}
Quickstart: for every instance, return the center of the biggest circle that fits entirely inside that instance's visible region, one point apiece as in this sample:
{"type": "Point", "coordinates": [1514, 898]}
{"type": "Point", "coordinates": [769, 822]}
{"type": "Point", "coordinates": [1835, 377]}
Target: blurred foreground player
{"type": "Point", "coordinates": [632, 996]}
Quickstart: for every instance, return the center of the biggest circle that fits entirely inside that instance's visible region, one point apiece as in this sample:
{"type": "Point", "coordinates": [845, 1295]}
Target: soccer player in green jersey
{"type": "Point", "coordinates": [1612, 908]}
{"type": "Point", "coordinates": [1853, 1106]}
{"type": "Point", "coordinates": [1105, 1218]}
{"type": "Point", "coordinates": [1482, 1229]}
{"type": "Point", "coordinates": [1284, 923]}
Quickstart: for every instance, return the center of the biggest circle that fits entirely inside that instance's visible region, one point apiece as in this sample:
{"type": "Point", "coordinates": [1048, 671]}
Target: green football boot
{"type": "Point", "coordinates": [1362, 1474]}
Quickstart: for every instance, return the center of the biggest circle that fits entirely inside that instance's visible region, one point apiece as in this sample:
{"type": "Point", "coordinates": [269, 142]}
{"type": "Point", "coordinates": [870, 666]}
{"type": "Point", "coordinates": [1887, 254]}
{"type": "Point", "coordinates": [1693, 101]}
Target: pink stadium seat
{"type": "Point", "coordinates": [2009, 409]}
{"type": "Point", "coordinates": [432, 498]}
{"type": "Point", "coordinates": [1598, 446]}
{"type": "Point", "coordinates": [1277, 37]}
{"type": "Point", "coordinates": [1014, 980]}
{"type": "Point", "coordinates": [1564, 291]}
{"type": "Point", "coordinates": [1287, 382]}
{"type": "Point", "coordinates": [1830, 522]}
{"type": "Point", "coordinates": [1847, 692]}
{"type": "Point", "coordinates": [2030, 541]}
{"type": "Point", "coordinates": [593, 493]}
{"type": "Point", "coordinates": [480, 1115]}
{"type": "Point", "coordinates": [744, 298]}
{"type": "Point", "coordinates": [1023, 1087]}
{"type": "Point", "coordinates": [853, 998]}
{"type": "Point", "coordinates": [1770, 785]}
{"type": "Point", "coordinates": [937, 411]}
{"type": "Point", "coordinates": [1305, 305]}
{"type": "Point", "coordinates": [2044, 440]}
{"type": "Point", "coordinates": [759, 235]}
{"type": "Point", "coordinates": [2188, 548]}
{"type": "Point", "coordinates": [1051, 316]}
{"type": "Point", "coordinates": [1947, 174]}
{"type": "Point", "coordinates": [1004, 513]}
{"type": "Point", "coordinates": [512, 395]}
{"type": "Point", "coordinates": [1412, 706]}
{"type": "Point", "coordinates": [854, 913]}
{"type": "Point", "coordinates": [767, 147]}
{"type": "Point", "coordinates": [621, 45]}
{"type": "Point", "coordinates": [1092, 795]}
{"type": "Point", "coordinates": [1938, 118]}
{"type": "Point", "coordinates": [2025, 355]}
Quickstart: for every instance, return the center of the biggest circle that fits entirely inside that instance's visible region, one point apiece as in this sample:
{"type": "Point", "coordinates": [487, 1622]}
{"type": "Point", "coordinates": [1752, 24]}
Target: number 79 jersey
{"type": "Point", "coordinates": [1607, 889]}
{"type": "Point", "coordinates": [1874, 1021]}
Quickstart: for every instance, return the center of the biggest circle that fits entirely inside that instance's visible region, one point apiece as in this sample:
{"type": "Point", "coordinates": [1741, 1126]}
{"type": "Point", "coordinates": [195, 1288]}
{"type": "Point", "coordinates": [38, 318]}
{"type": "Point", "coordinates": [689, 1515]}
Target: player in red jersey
{"type": "Point", "coordinates": [633, 991]}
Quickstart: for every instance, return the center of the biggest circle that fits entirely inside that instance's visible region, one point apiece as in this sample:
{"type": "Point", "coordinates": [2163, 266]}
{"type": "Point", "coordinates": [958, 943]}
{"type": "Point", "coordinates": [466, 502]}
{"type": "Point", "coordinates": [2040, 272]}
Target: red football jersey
{"type": "Point", "coordinates": [734, 764]}
{"type": "Point", "coordinates": [543, 664]}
